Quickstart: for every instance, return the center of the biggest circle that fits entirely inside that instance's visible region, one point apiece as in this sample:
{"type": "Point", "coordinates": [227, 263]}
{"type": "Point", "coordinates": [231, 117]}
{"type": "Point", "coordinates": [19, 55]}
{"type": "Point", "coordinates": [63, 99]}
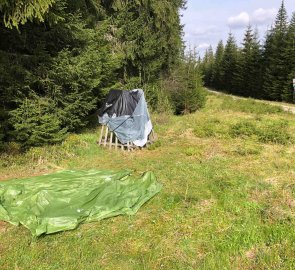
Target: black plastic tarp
{"type": "Point", "coordinates": [126, 114]}
{"type": "Point", "coordinates": [120, 102]}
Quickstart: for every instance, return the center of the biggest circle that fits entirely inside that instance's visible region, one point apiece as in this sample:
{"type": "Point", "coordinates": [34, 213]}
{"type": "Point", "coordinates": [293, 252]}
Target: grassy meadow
{"type": "Point", "coordinates": [228, 197]}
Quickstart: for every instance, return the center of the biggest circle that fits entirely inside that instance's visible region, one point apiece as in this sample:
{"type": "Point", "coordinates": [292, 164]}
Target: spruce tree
{"type": "Point", "coordinates": [19, 12]}
{"type": "Point", "coordinates": [287, 92]}
{"type": "Point", "coordinates": [248, 76]}
{"type": "Point", "coordinates": [216, 73]}
{"type": "Point", "coordinates": [255, 84]}
{"type": "Point", "coordinates": [36, 123]}
{"type": "Point", "coordinates": [229, 65]}
{"type": "Point", "coordinates": [185, 86]}
{"type": "Point", "coordinates": [207, 66]}
{"type": "Point", "coordinates": [275, 58]}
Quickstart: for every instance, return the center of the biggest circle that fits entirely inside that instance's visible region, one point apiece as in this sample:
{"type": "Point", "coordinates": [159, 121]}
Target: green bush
{"type": "Point", "coordinates": [35, 123]}
{"type": "Point", "coordinates": [265, 132]}
{"type": "Point", "coordinates": [244, 129]}
{"type": "Point", "coordinates": [180, 92]}
{"type": "Point", "coordinates": [211, 128]}
{"type": "Point", "coordinates": [158, 99]}
{"type": "Point", "coordinates": [275, 132]}
{"type": "Point", "coordinates": [185, 86]}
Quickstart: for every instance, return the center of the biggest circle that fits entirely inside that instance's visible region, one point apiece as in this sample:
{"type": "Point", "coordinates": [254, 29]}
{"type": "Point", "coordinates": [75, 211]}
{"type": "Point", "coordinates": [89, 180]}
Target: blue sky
{"type": "Point", "coordinates": [206, 22]}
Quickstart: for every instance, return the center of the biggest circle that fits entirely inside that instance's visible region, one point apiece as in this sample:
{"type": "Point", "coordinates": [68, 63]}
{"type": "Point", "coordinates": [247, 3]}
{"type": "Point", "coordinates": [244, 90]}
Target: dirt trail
{"type": "Point", "coordinates": [288, 108]}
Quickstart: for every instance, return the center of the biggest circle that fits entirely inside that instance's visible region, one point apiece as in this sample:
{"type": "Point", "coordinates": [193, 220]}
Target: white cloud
{"type": "Point", "coordinates": [239, 21]}
{"type": "Point", "coordinates": [205, 30]}
{"type": "Point", "coordinates": [203, 46]}
{"type": "Point", "coordinates": [262, 16]}
{"type": "Point", "coordinates": [200, 32]}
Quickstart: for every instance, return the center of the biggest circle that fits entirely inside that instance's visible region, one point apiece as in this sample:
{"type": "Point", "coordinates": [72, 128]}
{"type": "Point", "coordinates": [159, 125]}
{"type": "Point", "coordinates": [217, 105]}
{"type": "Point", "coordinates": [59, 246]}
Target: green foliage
{"type": "Point", "coordinates": [66, 55]}
{"type": "Point", "coordinates": [290, 56]}
{"type": "Point", "coordinates": [1, 136]}
{"type": "Point", "coordinates": [211, 127]}
{"type": "Point", "coordinates": [229, 64]}
{"type": "Point", "coordinates": [185, 86]}
{"type": "Point", "coordinates": [155, 145]}
{"type": "Point", "coordinates": [36, 123]}
{"type": "Point", "coordinates": [77, 81]}
{"type": "Point", "coordinates": [194, 152]}
{"type": "Point", "coordinates": [275, 132]}
{"type": "Point", "coordinates": [208, 67]}
{"type": "Point", "coordinates": [19, 12]}
{"type": "Point", "coordinates": [276, 69]}
{"type": "Point", "coordinates": [244, 129]}
{"type": "Point", "coordinates": [216, 73]}
{"type": "Point", "coordinates": [265, 132]}
{"type": "Point", "coordinates": [255, 70]}
{"type": "Point", "coordinates": [158, 99]}
{"type": "Point", "coordinates": [248, 73]}
{"type": "Point", "coordinates": [148, 36]}
{"type": "Point", "coordinates": [181, 92]}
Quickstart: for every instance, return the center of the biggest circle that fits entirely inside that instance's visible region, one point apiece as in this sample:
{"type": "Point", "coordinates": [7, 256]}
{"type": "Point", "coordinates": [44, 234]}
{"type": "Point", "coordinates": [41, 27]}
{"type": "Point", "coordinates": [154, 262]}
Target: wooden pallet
{"type": "Point", "coordinates": [108, 139]}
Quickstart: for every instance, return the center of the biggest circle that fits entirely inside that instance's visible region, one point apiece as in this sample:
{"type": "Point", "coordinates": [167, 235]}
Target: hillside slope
{"type": "Point", "coordinates": [228, 200]}
{"type": "Point", "coordinates": [287, 107]}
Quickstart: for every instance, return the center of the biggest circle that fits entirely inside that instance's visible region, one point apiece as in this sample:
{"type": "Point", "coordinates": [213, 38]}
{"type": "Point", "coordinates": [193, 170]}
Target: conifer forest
{"type": "Point", "coordinates": [263, 70]}
{"type": "Point", "coordinates": [58, 59]}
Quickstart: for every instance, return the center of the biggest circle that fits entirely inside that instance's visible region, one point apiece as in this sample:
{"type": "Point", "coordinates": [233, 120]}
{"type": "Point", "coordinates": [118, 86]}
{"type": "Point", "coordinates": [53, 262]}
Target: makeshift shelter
{"type": "Point", "coordinates": [125, 120]}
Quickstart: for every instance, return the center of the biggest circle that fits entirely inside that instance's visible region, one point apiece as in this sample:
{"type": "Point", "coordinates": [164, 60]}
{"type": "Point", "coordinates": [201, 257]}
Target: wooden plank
{"type": "Point", "coordinates": [101, 134]}
{"type": "Point", "coordinates": [107, 139]}
{"type": "Point", "coordinates": [116, 143]}
{"type": "Point", "coordinates": [111, 140]}
{"type": "Point", "coordinates": [106, 136]}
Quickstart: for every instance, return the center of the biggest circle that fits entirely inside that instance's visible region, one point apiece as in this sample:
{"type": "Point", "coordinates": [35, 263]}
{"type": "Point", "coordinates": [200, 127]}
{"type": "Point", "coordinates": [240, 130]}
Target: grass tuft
{"type": "Point", "coordinates": [264, 131]}
{"type": "Point", "coordinates": [249, 106]}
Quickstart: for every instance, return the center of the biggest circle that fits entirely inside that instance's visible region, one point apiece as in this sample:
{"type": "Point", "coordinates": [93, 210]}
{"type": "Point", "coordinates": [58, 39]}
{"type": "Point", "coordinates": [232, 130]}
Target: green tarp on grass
{"type": "Point", "coordinates": [61, 201]}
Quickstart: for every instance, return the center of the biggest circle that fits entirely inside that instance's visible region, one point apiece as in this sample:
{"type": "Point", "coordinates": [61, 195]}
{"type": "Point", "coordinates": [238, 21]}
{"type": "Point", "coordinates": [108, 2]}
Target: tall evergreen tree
{"type": "Point", "coordinates": [287, 93]}
{"type": "Point", "coordinates": [207, 66]}
{"type": "Point", "coordinates": [229, 64]}
{"type": "Point", "coordinates": [248, 76]}
{"type": "Point", "coordinates": [216, 73]}
{"type": "Point", "coordinates": [185, 86]}
{"type": "Point", "coordinates": [275, 58]}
